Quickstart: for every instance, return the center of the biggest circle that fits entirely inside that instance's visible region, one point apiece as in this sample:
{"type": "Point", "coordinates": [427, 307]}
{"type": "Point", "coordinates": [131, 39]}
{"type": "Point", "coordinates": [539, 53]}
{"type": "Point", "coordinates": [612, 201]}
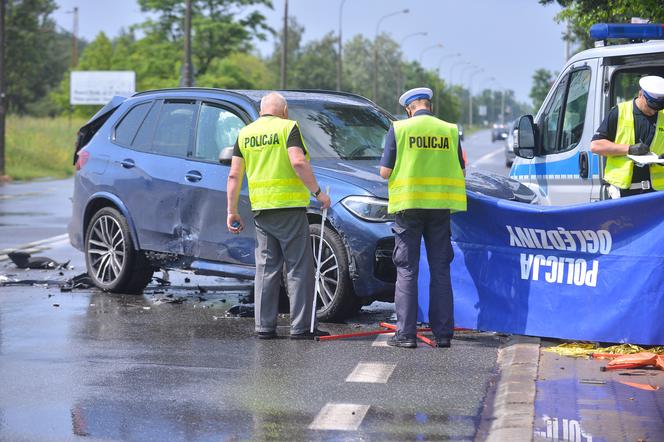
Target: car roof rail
{"type": "Point", "coordinates": [186, 89]}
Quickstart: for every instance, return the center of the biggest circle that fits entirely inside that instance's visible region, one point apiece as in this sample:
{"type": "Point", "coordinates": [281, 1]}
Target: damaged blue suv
{"type": "Point", "coordinates": [150, 190]}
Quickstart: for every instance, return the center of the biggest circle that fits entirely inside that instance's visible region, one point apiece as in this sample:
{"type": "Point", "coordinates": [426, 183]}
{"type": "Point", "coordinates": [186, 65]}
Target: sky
{"type": "Point", "coordinates": [508, 39]}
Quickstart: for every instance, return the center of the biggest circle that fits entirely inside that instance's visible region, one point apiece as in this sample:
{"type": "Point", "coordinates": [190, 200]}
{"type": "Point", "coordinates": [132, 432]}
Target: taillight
{"type": "Point", "coordinates": [81, 158]}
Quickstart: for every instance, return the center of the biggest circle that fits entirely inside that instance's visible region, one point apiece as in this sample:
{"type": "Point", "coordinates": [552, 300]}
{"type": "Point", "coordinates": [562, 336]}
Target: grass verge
{"type": "Point", "coordinates": [40, 147]}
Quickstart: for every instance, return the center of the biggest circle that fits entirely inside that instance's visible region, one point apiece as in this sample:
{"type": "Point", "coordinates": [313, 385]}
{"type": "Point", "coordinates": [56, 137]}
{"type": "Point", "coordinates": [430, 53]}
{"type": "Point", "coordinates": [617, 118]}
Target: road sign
{"type": "Point", "coordinates": [482, 110]}
{"type": "Point", "coordinates": [98, 87]}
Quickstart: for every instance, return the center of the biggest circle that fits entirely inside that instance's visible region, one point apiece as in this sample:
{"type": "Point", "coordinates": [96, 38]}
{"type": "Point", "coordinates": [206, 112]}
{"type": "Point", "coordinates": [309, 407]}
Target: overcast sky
{"type": "Point", "coordinates": [509, 39]}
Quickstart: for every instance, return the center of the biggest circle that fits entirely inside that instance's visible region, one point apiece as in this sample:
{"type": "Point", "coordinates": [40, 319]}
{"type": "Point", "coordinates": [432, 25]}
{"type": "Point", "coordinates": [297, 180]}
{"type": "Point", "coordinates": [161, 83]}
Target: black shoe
{"type": "Point", "coordinates": [267, 335]}
{"type": "Point", "coordinates": [443, 342]}
{"type": "Point", "coordinates": [308, 335]}
{"type": "Point", "coordinates": [403, 342]}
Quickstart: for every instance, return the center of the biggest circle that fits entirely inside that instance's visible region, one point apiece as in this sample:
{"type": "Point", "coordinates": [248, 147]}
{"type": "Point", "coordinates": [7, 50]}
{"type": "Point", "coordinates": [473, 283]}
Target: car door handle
{"type": "Point", "coordinates": [583, 165]}
{"type": "Point", "coordinates": [193, 176]}
{"type": "Point", "coordinates": [127, 163]}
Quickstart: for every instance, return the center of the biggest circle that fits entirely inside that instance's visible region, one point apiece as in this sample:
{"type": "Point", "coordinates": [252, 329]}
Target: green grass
{"type": "Point", "coordinates": [40, 147]}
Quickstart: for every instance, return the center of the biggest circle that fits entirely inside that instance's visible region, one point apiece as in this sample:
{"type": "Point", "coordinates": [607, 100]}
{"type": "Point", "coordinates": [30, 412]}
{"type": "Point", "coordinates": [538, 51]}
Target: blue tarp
{"type": "Point", "coordinates": [586, 272]}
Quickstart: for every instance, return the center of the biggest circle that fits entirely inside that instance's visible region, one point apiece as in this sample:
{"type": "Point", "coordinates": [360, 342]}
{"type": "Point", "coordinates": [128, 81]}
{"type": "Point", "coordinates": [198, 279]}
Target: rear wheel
{"type": "Point", "coordinates": [112, 262]}
{"type": "Point", "coordinates": [335, 296]}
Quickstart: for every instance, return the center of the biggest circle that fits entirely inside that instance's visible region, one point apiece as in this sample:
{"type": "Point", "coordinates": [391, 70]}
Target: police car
{"type": "Point", "coordinates": [553, 154]}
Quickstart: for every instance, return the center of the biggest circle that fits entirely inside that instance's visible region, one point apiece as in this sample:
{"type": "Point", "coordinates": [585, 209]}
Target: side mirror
{"type": "Point", "coordinates": [526, 145]}
{"type": "Point", "coordinates": [226, 155]}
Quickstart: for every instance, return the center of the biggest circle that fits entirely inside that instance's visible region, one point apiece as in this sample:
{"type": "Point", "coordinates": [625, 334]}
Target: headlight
{"type": "Point", "coordinates": [368, 208]}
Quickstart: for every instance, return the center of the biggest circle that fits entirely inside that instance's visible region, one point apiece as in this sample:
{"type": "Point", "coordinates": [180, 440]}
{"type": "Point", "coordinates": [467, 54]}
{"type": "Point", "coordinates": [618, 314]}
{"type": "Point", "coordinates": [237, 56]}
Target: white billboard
{"type": "Point", "coordinates": [98, 87]}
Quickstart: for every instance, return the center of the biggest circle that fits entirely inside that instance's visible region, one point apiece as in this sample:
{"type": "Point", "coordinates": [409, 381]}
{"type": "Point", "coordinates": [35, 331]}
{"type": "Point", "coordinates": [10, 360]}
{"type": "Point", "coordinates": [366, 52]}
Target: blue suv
{"type": "Point", "coordinates": [150, 190]}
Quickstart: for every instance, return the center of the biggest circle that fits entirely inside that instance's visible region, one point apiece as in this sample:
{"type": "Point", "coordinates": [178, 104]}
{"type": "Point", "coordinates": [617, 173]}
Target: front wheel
{"type": "Point", "coordinates": [112, 262]}
{"type": "Point", "coordinates": [335, 296]}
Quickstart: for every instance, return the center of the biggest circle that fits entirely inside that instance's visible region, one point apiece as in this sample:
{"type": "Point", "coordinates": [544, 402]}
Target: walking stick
{"type": "Point", "coordinates": [318, 265]}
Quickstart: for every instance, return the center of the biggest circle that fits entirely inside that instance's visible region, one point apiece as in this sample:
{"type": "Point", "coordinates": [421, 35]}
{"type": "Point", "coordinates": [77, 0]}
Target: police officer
{"type": "Point", "coordinates": [634, 127]}
{"type": "Point", "coordinates": [280, 181]}
{"type": "Point", "coordinates": [424, 163]}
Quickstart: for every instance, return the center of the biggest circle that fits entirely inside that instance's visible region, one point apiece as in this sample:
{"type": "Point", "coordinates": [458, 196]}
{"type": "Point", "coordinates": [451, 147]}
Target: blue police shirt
{"type": "Point", "coordinates": [390, 148]}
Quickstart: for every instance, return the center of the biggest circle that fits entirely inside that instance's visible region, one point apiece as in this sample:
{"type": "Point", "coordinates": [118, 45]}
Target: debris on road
{"type": "Point", "coordinates": [82, 281]}
{"type": "Point", "coordinates": [586, 350]}
{"type": "Point", "coordinates": [241, 311]}
{"type": "Point", "coordinates": [23, 260]}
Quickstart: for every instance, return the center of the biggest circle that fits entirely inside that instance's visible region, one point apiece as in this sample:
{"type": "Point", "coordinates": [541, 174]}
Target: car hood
{"type": "Point", "coordinates": [365, 174]}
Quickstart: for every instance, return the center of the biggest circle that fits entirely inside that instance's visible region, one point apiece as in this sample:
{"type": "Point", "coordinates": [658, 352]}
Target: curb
{"type": "Point", "coordinates": [511, 417]}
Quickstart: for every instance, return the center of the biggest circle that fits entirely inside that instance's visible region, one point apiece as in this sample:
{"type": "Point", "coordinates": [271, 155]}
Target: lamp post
{"type": "Point", "coordinates": [339, 67]}
{"type": "Point", "coordinates": [375, 49]}
{"type": "Point", "coordinates": [438, 46]}
{"type": "Point", "coordinates": [458, 63]}
{"type": "Point", "coordinates": [400, 78]}
{"type": "Point", "coordinates": [440, 62]}
{"type": "Point", "coordinates": [490, 80]}
{"type": "Point", "coordinates": [470, 95]}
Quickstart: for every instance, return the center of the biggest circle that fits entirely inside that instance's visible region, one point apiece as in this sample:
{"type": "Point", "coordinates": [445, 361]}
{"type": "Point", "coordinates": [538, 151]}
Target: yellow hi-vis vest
{"type": "Point", "coordinates": [619, 169]}
{"type": "Point", "coordinates": [427, 173]}
{"type": "Point", "coordinates": [272, 181]}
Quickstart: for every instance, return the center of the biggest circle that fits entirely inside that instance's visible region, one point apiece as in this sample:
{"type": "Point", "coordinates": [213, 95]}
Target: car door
{"type": "Point", "coordinates": [560, 171]}
{"type": "Point", "coordinates": [203, 209]}
{"type": "Point", "coordinates": [150, 169]}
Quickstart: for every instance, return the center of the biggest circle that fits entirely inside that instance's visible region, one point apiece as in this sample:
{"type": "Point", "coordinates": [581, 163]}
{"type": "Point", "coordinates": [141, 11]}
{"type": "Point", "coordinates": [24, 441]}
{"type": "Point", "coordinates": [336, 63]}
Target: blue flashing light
{"type": "Point", "coordinates": [647, 31]}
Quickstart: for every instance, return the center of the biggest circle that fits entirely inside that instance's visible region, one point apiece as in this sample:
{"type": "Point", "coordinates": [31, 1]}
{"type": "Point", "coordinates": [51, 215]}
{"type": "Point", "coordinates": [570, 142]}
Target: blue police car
{"type": "Point", "coordinates": [150, 190]}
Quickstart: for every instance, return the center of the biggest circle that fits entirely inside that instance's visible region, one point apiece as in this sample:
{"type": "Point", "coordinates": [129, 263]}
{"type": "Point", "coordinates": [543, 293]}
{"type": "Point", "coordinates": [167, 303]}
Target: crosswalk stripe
{"type": "Point", "coordinates": [340, 417]}
{"type": "Point", "coordinates": [371, 372]}
{"type": "Point", "coordinates": [381, 340]}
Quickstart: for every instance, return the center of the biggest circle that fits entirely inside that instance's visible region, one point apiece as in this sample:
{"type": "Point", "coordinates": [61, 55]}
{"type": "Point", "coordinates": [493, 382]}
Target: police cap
{"type": "Point", "coordinates": [653, 91]}
{"type": "Point", "coordinates": [415, 94]}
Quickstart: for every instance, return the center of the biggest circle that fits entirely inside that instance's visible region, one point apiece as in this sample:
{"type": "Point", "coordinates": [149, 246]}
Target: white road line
{"type": "Point", "coordinates": [489, 155]}
{"type": "Point", "coordinates": [340, 417]}
{"type": "Point", "coordinates": [37, 246]}
{"type": "Point", "coordinates": [371, 372]}
{"type": "Point", "coordinates": [381, 340]}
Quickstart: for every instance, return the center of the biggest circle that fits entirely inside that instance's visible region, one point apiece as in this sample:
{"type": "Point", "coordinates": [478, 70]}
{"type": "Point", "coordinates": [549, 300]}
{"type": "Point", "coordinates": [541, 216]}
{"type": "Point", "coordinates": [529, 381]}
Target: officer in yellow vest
{"type": "Point", "coordinates": [634, 127]}
{"type": "Point", "coordinates": [424, 164]}
{"type": "Point", "coordinates": [280, 182]}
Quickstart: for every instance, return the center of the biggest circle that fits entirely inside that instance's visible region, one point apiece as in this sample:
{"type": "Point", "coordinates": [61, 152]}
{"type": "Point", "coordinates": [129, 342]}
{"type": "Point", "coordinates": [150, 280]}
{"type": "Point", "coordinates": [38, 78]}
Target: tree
{"type": "Point", "coordinates": [220, 27]}
{"type": "Point", "coordinates": [542, 81]}
{"type": "Point", "coordinates": [315, 68]}
{"type": "Point", "coordinates": [36, 54]}
{"type": "Point", "coordinates": [582, 14]}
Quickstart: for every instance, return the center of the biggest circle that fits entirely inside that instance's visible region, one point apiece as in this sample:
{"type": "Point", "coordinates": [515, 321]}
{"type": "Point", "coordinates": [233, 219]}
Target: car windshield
{"type": "Point", "coordinates": [345, 131]}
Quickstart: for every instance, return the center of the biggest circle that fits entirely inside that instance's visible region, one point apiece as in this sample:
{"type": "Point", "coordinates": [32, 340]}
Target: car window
{"type": "Point", "coordinates": [143, 138]}
{"type": "Point", "coordinates": [126, 129]}
{"type": "Point", "coordinates": [217, 128]}
{"type": "Point", "coordinates": [550, 120]}
{"type": "Point", "coordinates": [173, 131]}
{"type": "Point", "coordinates": [338, 130]}
{"type": "Point", "coordinates": [625, 83]}
{"type": "Point", "coordinates": [575, 109]}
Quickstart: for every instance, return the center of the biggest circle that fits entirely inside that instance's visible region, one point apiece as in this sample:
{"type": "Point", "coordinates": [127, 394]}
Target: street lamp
{"type": "Point", "coordinates": [375, 79]}
{"type": "Point", "coordinates": [438, 45]}
{"type": "Point", "coordinates": [458, 63]}
{"type": "Point", "coordinates": [470, 95]}
{"type": "Point", "coordinates": [341, 7]}
{"type": "Point", "coordinates": [400, 76]}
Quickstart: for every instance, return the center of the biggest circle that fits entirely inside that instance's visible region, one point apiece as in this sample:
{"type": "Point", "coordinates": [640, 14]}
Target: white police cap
{"type": "Point", "coordinates": [653, 86]}
{"type": "Point", "coordinates": [415, 94]}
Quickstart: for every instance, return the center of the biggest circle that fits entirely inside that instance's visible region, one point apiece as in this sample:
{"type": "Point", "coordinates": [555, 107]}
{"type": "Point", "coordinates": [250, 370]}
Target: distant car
{"type": "Point", "coordinates": [498, 132]}
{"type": "Point", "coordinates": [460, 127]}
{"type": "Point", "coordinates": [150, 191]}
{"type": "Point", "coordinates": [512, 138]}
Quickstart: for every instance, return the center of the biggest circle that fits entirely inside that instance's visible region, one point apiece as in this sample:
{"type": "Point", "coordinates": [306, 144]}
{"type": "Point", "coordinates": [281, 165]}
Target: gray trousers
{"type": "Point", "coordinates": [282, 237]}
{"type": "Point", "coordinates": [409, 228]}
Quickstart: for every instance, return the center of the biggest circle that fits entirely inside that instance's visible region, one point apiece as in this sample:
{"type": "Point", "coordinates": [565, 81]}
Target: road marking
{"type": "Point", "coordinates": [36, 246]}
{"type": "Point", "coordinates": [341, 417]}
{"type": "Point", "coordinates": [490, 155]}
{"type": "Point", "coordinates": [381, 340]}
{"type": "Point", "coordinates": [371, 372]}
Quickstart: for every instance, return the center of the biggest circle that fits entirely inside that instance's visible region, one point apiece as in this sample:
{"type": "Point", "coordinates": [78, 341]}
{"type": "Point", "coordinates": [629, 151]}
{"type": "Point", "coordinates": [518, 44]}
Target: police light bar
{"type": "Point", "coordinates": [605, 31]}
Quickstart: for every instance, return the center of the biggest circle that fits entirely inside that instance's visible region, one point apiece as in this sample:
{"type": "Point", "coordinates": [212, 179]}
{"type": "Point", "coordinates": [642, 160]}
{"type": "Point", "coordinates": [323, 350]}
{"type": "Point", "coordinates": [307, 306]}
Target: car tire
{"type": "Point", "coordinates": [338, 299]}
{"type": "Point", "coordinates": [111, 260]}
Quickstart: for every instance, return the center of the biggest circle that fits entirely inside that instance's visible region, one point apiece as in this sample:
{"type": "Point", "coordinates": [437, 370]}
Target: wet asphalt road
{"type": "Point", "coordinates": [172, 365]}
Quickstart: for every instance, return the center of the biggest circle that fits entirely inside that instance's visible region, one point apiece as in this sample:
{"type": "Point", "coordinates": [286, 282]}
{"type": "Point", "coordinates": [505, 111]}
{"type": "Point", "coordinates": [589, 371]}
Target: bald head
{"type": "Point", "coordinates": [274, 104]}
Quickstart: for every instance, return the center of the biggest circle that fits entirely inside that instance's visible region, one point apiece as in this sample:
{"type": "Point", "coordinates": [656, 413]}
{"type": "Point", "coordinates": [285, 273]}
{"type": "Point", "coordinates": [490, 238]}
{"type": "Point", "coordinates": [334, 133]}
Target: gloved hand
{"type": "Point", "coordinates": [638, 149]}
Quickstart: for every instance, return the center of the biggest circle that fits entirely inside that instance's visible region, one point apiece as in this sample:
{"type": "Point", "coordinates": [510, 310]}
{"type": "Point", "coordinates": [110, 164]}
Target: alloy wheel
{"type": "Point", "coordinates": [106, 249]}
{"type": "Point", "coordinates": [329, 271]}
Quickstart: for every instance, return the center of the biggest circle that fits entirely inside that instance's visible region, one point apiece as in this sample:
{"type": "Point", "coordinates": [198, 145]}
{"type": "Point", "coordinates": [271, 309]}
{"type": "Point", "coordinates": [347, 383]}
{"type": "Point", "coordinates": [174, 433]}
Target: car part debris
{"type": "Point", "coordinates": [82, 281]}
{"type": "Point", "coordinates": [241, 310]}
{"type": "Point", "coordinates": [23, 260]}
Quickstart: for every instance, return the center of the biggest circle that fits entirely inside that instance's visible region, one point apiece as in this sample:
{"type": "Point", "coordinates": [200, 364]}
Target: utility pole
{"type": "Point", "coordinates": [74, 38]}
{"type": "Point", "coordinates": [339, 66]}
{"type": "Point", "coordinates": [187, 78]}
{"type": "Point", "coordinates": [2, 89]}
{"type": "Point", "coordinates": [284, 48]}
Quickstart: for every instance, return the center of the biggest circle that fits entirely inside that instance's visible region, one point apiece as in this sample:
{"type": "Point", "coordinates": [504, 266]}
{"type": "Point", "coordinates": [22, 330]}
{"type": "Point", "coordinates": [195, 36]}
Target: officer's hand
{"type": "Point", "coordinates": [638, 149]}
{"type": "Point", "coordinates": [234, 223]}
{"type": "Point", "coordinates": [324, 200]}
